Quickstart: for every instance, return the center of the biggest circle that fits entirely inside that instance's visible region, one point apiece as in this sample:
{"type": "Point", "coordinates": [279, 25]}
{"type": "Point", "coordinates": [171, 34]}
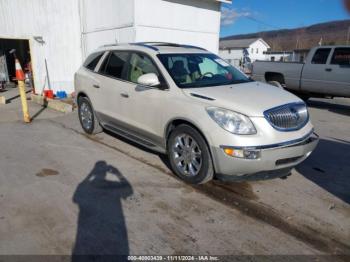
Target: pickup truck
{"type": "Point", "coordinates": [325, 73]}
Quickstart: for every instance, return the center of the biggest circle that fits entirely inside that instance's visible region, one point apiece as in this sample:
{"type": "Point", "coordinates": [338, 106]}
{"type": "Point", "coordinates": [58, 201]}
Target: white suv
{"type": "Point", "coordinates": [208, 117]}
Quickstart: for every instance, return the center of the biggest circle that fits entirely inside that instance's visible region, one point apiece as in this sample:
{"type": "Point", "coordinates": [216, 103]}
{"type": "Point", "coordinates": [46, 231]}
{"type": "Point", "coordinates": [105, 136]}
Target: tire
{"type": "Point", "coordinates": [276, 84]}
{"type": "Point", "coordinates": [87, 117]}
{"type": "Point", "coordinates": [189, 155]}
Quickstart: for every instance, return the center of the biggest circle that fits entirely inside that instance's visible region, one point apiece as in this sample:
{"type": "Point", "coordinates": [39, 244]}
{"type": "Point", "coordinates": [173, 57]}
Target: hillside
{"type": "Point", "coordinates": [302, 38]}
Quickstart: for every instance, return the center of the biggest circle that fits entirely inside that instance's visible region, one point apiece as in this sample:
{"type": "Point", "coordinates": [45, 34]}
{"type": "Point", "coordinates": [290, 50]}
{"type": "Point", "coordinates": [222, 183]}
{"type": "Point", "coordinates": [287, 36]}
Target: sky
{"type": "Point", "coordinates": [250, 16]}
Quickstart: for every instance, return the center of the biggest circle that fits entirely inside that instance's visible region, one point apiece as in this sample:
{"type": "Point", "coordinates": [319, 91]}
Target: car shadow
{"type": "Point", "coordinates": [163, 157]}
{"type": "Point", "coordinates": [101, 225]}
{"type": "Point", "coordinates": [332, 107]}
{"type": "Point", "coordinates": [130, 142]}
{"type": "Point", "coordinates": [329, 167]}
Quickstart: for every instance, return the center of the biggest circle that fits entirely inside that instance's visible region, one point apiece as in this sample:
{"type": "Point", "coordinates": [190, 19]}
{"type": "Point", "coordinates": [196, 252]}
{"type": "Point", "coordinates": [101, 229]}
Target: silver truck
{"type": "Point", "coordinates": [325, 73]}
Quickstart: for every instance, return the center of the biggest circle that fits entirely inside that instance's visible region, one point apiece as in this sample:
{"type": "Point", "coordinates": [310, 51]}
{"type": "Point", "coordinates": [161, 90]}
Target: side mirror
{"type": "Point", "coordinates": [150, 79]}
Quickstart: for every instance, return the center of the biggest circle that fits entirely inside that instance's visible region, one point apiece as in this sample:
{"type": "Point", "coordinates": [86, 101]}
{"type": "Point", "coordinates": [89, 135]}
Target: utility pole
{"type": "Point", "coordinates": [348, 37]}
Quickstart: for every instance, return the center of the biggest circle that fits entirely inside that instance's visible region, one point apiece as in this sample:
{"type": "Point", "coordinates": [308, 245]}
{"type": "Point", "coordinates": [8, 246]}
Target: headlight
{"type": "Point", "coordinates": [232, 122]}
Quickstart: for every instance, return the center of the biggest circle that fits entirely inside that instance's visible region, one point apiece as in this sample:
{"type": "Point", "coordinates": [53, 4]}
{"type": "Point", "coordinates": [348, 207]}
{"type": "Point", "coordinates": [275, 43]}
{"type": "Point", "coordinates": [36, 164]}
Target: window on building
{"type": "Point", "coordinates": [341, 56]}
{"type": "Point", "coordinates": [252, 50]}
{"type": "Point", "coordinates": [115, 65]}
{"type": "Point", "coordinates": [257, 50]}
{"type": "Point", "coordinates": [229, 51]}
{"type": "Point", "coordinates": [321, 56]}
{"type": "Point", "coordinates": [92, 61]}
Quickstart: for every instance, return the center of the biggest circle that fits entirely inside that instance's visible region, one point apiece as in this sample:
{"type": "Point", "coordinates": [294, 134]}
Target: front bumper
{"type": "Point", "coordinates": [275, 160]}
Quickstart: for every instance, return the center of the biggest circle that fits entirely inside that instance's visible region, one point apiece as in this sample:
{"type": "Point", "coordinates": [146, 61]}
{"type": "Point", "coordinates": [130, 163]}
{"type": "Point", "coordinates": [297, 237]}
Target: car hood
{"type": "Point", "coordinates": [250, 99]}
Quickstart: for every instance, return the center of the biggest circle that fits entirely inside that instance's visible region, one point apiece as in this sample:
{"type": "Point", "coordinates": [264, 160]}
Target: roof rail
{"type": "Point", "coordinates": [144, 44]}
{"type": "Point", "coordinates": [153, 45]}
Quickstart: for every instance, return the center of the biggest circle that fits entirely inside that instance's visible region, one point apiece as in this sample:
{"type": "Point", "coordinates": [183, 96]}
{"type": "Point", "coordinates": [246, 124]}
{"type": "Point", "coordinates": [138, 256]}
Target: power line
{"type": "Point", "coordinates": [263, 23]}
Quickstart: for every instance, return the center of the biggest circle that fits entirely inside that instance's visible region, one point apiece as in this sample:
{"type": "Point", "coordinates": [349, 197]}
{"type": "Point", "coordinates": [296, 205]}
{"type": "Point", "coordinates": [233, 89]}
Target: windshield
{"type": "Point", "coordinates": [201, 70]}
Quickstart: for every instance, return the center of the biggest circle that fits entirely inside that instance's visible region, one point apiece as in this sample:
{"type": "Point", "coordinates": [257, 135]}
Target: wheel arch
{"type": "Point", "coordinates": [81, 94]}
{"type": "Point", "coordinates": [274, 76]}
{"type": "Point", "coordinates": [172, 124]}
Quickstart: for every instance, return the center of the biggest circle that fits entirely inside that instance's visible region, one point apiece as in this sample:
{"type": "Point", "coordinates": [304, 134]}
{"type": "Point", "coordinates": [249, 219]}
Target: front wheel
{"type": "Point", "coordinates": [189, 155]}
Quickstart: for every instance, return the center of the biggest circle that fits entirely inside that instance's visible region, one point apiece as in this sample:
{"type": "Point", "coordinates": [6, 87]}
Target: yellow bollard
{"type": "Point", "coordinates": [22, 92]}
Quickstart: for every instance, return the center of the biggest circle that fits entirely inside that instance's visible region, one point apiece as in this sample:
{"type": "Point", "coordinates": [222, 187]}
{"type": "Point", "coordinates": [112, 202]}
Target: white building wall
{"type": "Point", "coordinates": [193, 22]}
{"type": "Point", "coordinates": [106, 22]}
{"type": "Point", "coordinates": [57, 22]}
{"type": "Point", "coordinates": [233, 56]}
{"type": "Point", "coordinates": [256, 51]}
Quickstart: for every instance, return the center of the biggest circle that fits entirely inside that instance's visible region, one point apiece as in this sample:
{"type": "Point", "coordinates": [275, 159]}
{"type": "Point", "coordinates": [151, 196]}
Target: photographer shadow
{"type": "Point", "coordinates": [101, 224]}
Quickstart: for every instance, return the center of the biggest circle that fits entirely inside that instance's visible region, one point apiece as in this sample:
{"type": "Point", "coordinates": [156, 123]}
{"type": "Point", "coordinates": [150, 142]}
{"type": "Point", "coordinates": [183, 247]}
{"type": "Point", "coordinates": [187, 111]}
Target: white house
{"type": "Point", "coordinates": [233, 50]}
{"type": "Point", "coordinates": [64, 32]}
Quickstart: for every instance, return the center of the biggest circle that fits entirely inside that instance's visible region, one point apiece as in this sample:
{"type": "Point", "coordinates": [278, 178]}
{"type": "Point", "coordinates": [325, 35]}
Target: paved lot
{"type": "Point", "coordinates": [62, 192]}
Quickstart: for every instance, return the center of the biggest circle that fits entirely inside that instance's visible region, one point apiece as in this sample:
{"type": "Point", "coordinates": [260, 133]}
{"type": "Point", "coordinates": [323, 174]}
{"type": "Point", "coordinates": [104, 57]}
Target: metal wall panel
{"type": "Point", "coordinates": [193, 22]}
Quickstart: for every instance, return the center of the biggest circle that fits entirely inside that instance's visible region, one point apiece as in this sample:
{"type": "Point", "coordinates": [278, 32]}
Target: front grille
{"type": "Point", "coordinates": [288, 117]}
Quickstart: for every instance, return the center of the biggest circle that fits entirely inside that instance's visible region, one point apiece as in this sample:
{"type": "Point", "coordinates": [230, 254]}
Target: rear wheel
{"type": "Point", "coordinates": [87, 117]}
{"type": "Point", "coordinates": [189, 155]}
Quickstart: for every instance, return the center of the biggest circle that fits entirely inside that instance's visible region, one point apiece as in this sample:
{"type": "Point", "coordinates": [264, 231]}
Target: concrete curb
{"type": "Point", "coordinates": [53, 104]}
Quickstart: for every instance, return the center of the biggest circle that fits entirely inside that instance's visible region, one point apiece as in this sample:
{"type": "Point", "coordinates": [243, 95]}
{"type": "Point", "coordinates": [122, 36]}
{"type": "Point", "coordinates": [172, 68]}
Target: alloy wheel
{"type": "Point", "coordinates": [187, 155]}
{"type": "Point", "coordinates": [86, 116]}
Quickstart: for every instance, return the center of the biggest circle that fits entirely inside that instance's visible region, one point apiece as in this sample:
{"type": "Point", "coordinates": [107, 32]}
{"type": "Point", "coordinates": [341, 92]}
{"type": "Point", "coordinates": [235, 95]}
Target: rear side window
{"type": "Point", "coordinates": [321, 56]}
{"type": "Point", "coordinates": [341, 56]}
{"type": "Point", "coordinates": [92, 61]}
{"type": "Point", "coordinates": [115, 65]}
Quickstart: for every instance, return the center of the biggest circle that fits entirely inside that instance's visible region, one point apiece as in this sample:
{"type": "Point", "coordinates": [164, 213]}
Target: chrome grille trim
{"type": "Point", "coordinates": [289, 117]}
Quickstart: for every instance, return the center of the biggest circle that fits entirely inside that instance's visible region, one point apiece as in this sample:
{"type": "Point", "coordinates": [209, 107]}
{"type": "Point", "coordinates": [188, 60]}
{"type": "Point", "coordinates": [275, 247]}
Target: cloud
{"type": "Point", "coordinates": [229, 16]}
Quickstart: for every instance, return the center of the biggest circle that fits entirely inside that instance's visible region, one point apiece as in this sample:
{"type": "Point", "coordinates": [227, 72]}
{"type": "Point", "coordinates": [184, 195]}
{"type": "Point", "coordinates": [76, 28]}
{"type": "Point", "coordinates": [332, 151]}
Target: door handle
{"type": "Point", "coordinates": [329, 69]}
{"type": "Point", "coordinates": [125, 95]}
{"type": "Point", "coordinates": [96, 86]}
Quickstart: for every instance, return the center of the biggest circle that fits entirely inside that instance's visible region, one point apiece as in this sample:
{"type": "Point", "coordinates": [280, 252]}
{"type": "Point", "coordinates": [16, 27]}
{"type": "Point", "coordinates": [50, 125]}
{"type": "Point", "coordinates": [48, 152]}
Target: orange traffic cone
{"type": "Point", "coordinates": [19, 71]}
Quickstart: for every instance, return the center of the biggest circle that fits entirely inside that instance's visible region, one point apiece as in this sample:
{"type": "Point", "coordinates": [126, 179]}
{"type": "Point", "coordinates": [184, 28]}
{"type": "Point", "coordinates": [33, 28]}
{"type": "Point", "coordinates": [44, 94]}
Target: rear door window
{"type": "Point", "coordinates": [92, 61]}
{"type": "Point", "coordinates": [341, 56]}
{"type": "Point", "coordinates": [321, 56]}
{"type": "Point", "coordinates": [115, 65]}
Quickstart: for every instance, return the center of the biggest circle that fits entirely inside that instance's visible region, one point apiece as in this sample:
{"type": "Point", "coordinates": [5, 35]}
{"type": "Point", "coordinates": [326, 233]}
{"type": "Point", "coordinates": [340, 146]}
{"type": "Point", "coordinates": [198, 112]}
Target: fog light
{"type": "Point", "coordinates": [245, 153]}
{"type": "Point", "coordinates": [251, 154]}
